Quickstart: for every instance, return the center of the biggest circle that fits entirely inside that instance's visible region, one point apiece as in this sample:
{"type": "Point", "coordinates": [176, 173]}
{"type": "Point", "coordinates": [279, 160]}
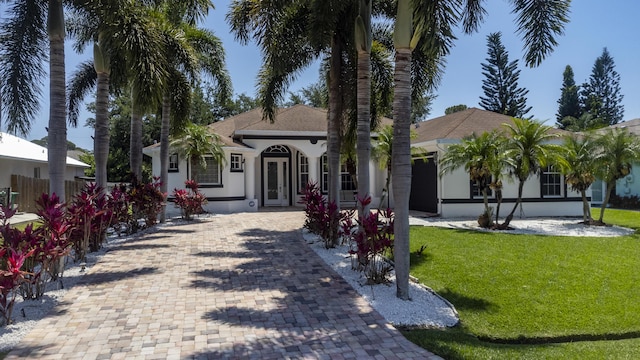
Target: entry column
{"type": "Point", "coordinates": [250, 177]}
{"type": "Point", "coordinates": [313, 169]}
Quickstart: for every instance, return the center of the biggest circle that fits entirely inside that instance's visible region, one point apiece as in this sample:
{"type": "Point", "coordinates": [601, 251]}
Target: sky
{"type": "Point", "coordinates": [594, 25]}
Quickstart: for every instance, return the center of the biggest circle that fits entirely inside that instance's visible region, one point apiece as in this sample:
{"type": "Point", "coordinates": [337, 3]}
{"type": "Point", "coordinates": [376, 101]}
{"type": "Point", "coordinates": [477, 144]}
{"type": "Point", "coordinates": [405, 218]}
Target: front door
{"type": "Point", "coordinates": [276, 182]}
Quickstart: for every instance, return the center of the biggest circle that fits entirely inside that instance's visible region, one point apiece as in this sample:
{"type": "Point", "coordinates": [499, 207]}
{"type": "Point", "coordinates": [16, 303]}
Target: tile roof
{"type": "Point", "coordinates": [462, 123]}
{"type": "Point", "coordinates": [632, 125]}
{"type": "Point", "coordinates": [296, 118]}
{"type": "Point", "coordinates": [13, 147]}
{"type": "Point", "coordinates": [302, 119]}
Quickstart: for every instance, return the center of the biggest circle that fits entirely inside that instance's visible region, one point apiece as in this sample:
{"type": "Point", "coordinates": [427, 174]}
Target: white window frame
{"type": "Point", "coordinates": [546, 185]}
{"type": "Point", "coordinates": [325, 175]}
{"type": "Point", "coordinates": [212, 166]}
{"type": "Point", "coordinates": [173, 162]}
{"type": "Point", "coordinates": [476, 193]}
{"type": "Point", "coordinates": [303, 172]}
{"type": "Point", "coordinates": [236, 163]}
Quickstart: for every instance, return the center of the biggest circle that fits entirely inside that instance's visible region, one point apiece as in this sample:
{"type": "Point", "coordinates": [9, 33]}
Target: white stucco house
{"type": "Point", "coordinates": [20, 157]}
{"type": "Point", "coordinates": [267, 164]}
{"type": "Point", "coordinates": [454, 195]}
{"type": "Point", "coordinates": [630, 184]}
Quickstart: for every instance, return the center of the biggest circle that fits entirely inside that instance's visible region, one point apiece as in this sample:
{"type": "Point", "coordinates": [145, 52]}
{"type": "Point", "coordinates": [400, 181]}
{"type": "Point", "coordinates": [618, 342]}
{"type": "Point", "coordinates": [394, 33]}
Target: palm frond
{"type": "Point", "coordinates": [180, 94]}
{"type": "Point", "coordinates": [211, 56]}
{"type": "Point", "coordinates": [24, 49]}
{"type": "Point", "coordinates": [472, 15]}
{"type": "Point", "coordinates": [539, 23]}
{"type": "Point", "coordinates": [82, 81]}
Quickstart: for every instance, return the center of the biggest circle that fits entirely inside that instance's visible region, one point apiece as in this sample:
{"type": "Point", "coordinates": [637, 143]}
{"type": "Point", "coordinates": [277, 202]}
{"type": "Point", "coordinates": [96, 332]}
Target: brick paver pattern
{"type": "Point", "coordinates": [240, 286]}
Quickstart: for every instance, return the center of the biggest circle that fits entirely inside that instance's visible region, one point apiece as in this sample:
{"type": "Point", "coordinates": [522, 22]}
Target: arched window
{"type": "Point", "coordinates": [277, 149]}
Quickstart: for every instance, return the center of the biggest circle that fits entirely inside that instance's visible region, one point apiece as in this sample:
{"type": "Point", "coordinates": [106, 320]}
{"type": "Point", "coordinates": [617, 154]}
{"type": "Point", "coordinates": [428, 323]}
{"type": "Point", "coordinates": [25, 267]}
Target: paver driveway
{"type": "Point", "coordinates": [230, 286]}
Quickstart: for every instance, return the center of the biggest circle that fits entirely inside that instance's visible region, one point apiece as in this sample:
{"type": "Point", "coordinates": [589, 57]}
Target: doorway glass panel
{"type": "Point", "coordinates": [272, 180]}
{"type": "Point", "coordinates": [285, 187]}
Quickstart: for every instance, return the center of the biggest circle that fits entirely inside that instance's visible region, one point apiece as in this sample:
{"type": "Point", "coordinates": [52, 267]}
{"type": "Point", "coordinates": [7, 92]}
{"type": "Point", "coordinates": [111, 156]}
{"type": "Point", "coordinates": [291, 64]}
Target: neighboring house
{"type": "Point", "coordinates": [23, 158]}
{"type": "Point", "coordinates": [454, 194]}
{"type": "Point", "coordinates": [630, 184]}
{"type": "Point", "coordinates": [267, 164]}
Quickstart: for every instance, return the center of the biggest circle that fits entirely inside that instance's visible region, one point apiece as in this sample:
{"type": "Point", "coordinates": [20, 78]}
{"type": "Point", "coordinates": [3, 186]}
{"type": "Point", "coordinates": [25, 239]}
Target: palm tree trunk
{"type": "Point", "coordinates": [485, 199]}
{"type": "Point", "coordinates": [164, 149]}
{"type": "Point", "coordinates": [57, 137]}
{"type": "Point", "coordinates": [586, 213]}
{"type": "Point", "coordinates": [101, 135]}
{"type": "Point", "coordinates": [135, 142]}
{"type": "Point", "coordinates": [401, 168]}
{"type": "Point", "coordinates": [507, 221]}
{"type": "Point", "coordinates": [334, 125]}
{"type": "Point", "coordinates": [101, 64]}
{"type": "Point", "coordinates": [364, 108]}
{"type": "Point", "coordinates": [498, 203]}
{"type": "Point", "coordinates": [605, 202]}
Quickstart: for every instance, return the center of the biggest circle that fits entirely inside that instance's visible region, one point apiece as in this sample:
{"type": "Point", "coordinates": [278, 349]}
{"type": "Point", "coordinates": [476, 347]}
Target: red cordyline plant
{"type": "Point", "coordinates": [103, 218]}
{"type": "Point", "coordinates": [11, 277]}
{"type": "Point", "coordinates": [120, 206]}
{"type": "Point", "coordinates": [373, 239]}
{"type": "Point", "coordinates": [323, 218]}
{"type": "Point", "coordinates": [146, 200]}
{"type": "Point", "coordinates": [91, 216]}
{"type": "Point", "coordinates": [314, 208]}
{"type": "Point", "coordinates": [51, 243]}
{"type": "Point", "coordinates": [190, 202]}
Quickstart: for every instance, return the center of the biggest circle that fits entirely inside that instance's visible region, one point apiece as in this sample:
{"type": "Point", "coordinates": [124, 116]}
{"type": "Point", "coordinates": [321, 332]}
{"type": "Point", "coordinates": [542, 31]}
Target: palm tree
{"type": "Point", "coordinates": [382, 152]}
{"type": "Point", "coordinates": [125, 39]}
{"type": "Point", "coordinates": [32, 30]}
{"type": "Point", "coordinates": [480, 156]}
{"type": "Point", "coordinates": [196, 143]}
{"type": "Point", "coordinates": [209, 59]}
{"type": "Point", "coordinates": [578, 165]}
{"type": "Point", "coordinates": [619, 149]}
{"type": "Point", "coordinates": [528, 151]}
{"type": "Point", "coordinates": [539, 23]}
{"type": "Point", "coordinates": [498, 164]}
{"type": "Point", "coordinates": [291, 36]}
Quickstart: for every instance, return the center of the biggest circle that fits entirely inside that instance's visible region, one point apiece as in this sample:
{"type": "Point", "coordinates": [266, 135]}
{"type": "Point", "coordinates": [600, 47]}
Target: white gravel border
{"type": "Point", "coordinates": [426, 308]}
{"type": "Point", "coordinates": [556, 226]}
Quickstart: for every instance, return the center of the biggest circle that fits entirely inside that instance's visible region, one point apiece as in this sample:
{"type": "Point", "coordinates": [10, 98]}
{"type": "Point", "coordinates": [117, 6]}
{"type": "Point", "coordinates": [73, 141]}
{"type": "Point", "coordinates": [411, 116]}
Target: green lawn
{"type": "Point", "coordinates": [547, 296]}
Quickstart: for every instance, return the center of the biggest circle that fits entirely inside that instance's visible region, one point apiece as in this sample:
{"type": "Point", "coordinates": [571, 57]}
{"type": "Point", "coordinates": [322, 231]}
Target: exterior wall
{"type": "Point", "coordinates": [26, 168]}
{"type": "Point", "coordinates": [455, 186]}
{"type": "Point", "coordinates": [630, 184]}
{"type": "Point", "coordinates": [242, 191]}
{"type": "Point", "coordinates": [230, 197]}
{"type": "Point", "coordinates": [454, 199]}
{"type": "Point", "coordinates": [529, 209]}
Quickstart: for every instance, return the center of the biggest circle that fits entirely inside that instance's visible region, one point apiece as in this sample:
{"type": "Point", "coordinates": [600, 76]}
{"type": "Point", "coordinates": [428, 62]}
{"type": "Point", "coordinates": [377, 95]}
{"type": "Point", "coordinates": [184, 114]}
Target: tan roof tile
{"type": "Point", "coordinates": [461, 124]}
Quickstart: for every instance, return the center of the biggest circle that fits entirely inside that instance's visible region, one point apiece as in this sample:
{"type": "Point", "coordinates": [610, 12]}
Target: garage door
{"type": "Point", "coordinates": [424, 186]}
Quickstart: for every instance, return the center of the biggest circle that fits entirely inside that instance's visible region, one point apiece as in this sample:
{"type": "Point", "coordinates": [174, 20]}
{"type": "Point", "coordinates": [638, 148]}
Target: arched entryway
{"type": "Point", "coordinates": [276, 176]}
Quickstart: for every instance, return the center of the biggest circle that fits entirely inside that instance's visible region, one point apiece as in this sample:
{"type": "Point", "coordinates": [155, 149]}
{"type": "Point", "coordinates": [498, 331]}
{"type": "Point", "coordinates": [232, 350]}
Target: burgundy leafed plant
{"type": "Point", "coordinates": [373, 239]}
{"type": "Point", "coordinates": [190, 201]}
{"type": "Point", "coordinates": [146, 200]}
{"type": "Point", "coordinates": [10, 279]}
{"type": "Point", "coordinates": [119, 205]}
{"type": "Point", "coordinates": [323, 218]}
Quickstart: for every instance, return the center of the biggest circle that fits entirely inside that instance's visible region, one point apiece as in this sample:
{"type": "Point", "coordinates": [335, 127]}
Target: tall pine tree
{"type": "Point", "coordinates": [569, 103]}
{"type": "Point", "coordinates": [601, 96]}
{"type": "Point", "coordinates": [501, 91]}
